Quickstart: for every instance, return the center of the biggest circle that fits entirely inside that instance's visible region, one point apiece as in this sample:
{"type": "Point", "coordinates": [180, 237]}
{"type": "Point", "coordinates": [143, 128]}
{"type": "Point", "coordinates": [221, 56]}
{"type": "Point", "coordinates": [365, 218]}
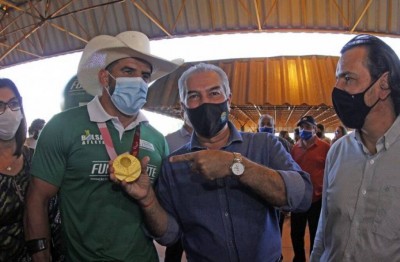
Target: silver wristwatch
{"type": "Point", "coordinates": [237, 166]}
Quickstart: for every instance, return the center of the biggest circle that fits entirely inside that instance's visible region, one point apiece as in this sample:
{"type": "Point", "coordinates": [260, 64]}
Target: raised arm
{"type": "Point", "coordinates": [141, 190]}
{"type": "Point", "coordinates": [268, 183]}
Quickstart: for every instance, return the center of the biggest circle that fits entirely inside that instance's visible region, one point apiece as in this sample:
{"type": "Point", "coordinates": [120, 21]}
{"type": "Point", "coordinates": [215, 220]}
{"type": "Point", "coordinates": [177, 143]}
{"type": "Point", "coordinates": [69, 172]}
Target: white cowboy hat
{"type": "Point", "coordinates": [102, 50]}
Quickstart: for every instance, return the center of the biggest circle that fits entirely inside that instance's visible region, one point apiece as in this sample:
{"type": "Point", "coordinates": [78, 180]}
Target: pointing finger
{"type": "Point", "coordinates": [181, 158]}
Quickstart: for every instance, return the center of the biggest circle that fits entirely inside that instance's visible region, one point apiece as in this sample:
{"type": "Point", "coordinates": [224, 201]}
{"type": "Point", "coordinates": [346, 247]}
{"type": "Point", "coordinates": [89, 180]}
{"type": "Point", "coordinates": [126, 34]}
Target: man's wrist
{"type": "Point", "coordinates": [36, 245]}
{"type": "Point", "coordinates": [148, 200]}
{"type": "Point", "coordinates": [147, 203]}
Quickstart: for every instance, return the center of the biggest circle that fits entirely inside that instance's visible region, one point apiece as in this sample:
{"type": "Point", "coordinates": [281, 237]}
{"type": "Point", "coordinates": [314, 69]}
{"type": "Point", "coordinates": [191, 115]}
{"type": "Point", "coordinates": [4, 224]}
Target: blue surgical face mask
{"type": "Point", "coordinates": [129, 94]}
{"type": "Point", "coordinates": [266, 129]}
{"type": "Point", "coordinates": [305, 134]}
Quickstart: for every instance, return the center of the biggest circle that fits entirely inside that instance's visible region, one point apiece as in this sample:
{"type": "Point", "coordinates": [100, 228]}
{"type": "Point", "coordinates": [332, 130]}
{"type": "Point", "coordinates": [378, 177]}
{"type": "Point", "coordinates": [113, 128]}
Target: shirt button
{"type": "Point", "coordinates": [364, 192]}
{"type": "Point", "coordinates": [371, 161]}
{"type": "Point", "coordinates": [226, 214]}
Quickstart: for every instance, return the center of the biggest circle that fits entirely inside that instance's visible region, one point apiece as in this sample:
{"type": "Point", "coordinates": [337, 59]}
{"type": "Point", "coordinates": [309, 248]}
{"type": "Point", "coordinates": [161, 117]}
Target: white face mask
{"type": "Point", "coordinates": [9, 123]}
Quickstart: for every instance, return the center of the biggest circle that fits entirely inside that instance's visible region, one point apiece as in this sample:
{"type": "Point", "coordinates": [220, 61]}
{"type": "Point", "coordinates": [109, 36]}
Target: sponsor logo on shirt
{"type": "Point", "coordinates": [99, 171]}
{"type": "Point", "coordinates": [146, 145]}
{"type": "Point", "coordinates": [97, 139]}
{"type": "Point", "coordinates": [91, 139]}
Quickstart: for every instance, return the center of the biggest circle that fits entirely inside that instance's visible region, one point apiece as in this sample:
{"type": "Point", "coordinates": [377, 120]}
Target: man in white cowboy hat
{"type": "Point", "coordinates": [100, 223]}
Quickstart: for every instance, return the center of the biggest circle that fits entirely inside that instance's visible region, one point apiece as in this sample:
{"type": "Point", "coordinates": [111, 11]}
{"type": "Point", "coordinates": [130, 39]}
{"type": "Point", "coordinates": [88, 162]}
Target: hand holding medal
{"type": "Point", "coordinates": [127, 167]}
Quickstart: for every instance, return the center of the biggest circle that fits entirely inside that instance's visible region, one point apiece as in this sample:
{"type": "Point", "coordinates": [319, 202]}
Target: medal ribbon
{"type": "Point", "coordinates": [109, 144]}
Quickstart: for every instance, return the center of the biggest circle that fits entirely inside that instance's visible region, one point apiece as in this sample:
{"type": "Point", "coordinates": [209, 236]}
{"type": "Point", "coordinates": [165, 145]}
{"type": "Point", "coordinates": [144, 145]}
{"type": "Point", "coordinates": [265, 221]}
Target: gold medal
{"type": "Point", "coordinates": [127, 167]}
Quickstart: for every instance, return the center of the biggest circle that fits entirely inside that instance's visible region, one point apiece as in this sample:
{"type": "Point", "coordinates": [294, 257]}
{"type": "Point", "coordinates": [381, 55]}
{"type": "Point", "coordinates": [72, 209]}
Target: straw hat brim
{"type": "Point", "coordinates": [103, 50]}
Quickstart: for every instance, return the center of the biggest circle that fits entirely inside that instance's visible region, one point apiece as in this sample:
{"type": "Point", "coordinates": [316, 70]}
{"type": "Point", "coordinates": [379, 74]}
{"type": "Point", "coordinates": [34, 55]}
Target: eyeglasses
{"type": "Point", "coordinates": [13, 104]}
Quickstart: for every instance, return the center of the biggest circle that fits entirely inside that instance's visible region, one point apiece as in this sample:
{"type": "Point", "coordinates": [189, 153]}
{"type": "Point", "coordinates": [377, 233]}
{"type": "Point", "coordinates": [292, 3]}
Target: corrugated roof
{"type": "Point", "coordinates": [35, 29]}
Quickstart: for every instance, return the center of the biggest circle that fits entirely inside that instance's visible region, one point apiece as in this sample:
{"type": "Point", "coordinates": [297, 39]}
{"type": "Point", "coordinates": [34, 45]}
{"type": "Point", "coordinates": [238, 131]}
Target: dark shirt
{"type": "Point", "coordinates": [223, 220]}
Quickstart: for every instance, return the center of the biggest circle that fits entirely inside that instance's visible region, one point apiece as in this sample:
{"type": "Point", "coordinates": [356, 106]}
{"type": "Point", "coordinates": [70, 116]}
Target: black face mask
{"type": "Point", "coordinates": [208, 119]}
{"type": "Point", "coordinates": [319, 134]}
{"type": "Point", "coordinates": [351, 109]}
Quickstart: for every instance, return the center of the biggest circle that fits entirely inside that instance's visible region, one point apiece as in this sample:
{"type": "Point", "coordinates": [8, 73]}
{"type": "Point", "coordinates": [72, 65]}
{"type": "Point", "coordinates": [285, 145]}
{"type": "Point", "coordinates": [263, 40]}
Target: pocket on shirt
{"type": "Point", "coordinates": [387, 217]}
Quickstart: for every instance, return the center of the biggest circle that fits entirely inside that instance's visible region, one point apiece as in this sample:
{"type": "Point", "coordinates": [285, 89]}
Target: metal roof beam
{"type": "Point", "coordinates": [257, 15]}
{"type": "Point", "coordinates": [361, 16]}
{"type": "Point", "coordinates": [154, 20]}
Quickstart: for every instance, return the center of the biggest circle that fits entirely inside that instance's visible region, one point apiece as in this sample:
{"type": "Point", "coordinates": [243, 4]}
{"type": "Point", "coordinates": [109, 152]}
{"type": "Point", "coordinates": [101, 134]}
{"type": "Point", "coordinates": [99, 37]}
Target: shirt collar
{"type": "Point", "coordinates": [390, 137]}
{"type": "Point", "coordinates": [384, 142]}
{"type": "Point", "coordinates": [233, 137]}
{"type": "Point", "coordinates": [98, 114]}
{"type": "Point", "coordinates": [183, 132]}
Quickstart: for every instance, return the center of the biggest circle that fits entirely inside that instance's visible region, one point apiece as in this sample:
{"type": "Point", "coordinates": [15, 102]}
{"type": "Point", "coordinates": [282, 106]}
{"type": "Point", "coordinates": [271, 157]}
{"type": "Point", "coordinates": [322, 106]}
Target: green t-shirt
{"type": "Point", "coordinates": [100, 222]}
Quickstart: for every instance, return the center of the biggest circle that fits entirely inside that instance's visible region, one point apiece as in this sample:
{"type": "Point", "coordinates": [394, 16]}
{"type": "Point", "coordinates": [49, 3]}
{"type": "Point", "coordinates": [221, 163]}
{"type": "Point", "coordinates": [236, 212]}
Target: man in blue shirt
{"type": "Point", "coordinates": [221, 193]}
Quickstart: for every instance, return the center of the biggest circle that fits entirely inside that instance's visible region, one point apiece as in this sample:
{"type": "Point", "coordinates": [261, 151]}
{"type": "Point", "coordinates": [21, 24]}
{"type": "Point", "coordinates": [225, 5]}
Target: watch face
{"type": "Point", "coordinates": [237, 169]}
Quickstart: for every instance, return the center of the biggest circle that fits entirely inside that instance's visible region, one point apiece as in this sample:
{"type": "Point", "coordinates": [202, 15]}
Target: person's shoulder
{"type": "Point", "coordinates": [74, 113]}
{"type": "Point", "coordinates": [151, 129]}
{"type": "Point", "coordinates": [322, 142]}
{"type": "Point", "coordinates": [297, 145]}
{"type": "Point", "coordinates": [173, 134]}
{"type": "Point", "coordinates": [327, 140]}
{"type": "Point", "coordinates": [68, 119]}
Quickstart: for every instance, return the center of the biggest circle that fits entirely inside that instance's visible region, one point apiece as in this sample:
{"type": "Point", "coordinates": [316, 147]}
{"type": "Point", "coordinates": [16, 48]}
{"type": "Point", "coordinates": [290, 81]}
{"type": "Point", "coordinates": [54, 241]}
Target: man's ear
{"type": "Point", "coordinates": [103, 77]}
{"type": "Point", "coordinates": [384, 86]}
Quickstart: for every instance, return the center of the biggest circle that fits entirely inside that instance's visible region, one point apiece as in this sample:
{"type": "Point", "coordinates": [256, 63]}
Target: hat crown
{"type": "Point", "coordinates": [102, 50]}
{"type": "Point", "coordinates": [135, 40]}
{"type": "Point", "coordinates": [308, 119]}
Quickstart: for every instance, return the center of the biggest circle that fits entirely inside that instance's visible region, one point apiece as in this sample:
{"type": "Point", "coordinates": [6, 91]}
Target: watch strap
{"type": "Point", "coordinates": [36, 245]}
{"type": "Point", "coordinates": [237, 157]}
{"type": "Point", "coordinates": [237, 167]}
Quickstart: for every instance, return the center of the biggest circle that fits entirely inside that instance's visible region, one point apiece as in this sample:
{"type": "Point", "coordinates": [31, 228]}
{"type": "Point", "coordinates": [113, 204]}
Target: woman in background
{"type": "Point", "coordinates": [15, 159]}
{"type": "Point", "coordinates": [340, 131]}
{"type": "Point", "coordinates": [14, 173]}
{"type": "Point", "coordinates": [34, 130]}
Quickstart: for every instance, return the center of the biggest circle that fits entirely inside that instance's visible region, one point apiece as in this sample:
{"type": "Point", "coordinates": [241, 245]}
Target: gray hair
{"type": "Point", "coordinates": [202, 67]}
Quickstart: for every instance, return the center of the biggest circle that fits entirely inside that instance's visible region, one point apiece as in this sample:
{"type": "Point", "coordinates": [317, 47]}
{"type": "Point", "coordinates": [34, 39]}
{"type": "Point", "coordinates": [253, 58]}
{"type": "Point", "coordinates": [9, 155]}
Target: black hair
{"type": "Point", "coordinates": [343, 129]}
{"type": "Point", "coordinates": [321, 127]}
{"type": "Point", "coordinates": [20, 135]}
{"type": "Point", "coordinates": [381, 58]}
{"type": "Point", "coordinates": [35, 127]}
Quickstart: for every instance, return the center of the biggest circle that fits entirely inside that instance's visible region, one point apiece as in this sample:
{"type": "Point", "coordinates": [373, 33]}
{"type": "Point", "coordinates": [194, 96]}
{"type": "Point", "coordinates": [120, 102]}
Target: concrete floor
{"type": "Point", "coordinates": [287, 249]}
